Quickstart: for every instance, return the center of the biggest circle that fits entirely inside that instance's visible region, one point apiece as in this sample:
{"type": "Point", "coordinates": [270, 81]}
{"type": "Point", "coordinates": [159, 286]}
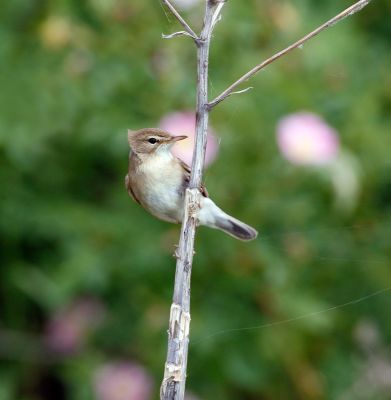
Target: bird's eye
{"type": "Point", "coordinates": [152, 140]}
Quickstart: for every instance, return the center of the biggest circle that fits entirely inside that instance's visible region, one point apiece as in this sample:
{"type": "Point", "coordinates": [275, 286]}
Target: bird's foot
{"type": "Point", "coordinates": [176, 253]}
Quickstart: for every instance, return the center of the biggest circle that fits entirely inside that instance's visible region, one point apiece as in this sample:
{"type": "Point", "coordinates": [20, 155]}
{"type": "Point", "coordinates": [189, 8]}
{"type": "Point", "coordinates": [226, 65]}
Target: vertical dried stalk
{"type": "Point", "coordinates": [173, 386]}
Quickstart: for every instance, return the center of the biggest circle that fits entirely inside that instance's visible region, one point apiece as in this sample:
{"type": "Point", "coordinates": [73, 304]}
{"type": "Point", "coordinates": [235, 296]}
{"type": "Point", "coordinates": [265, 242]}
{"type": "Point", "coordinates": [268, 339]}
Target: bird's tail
{"type": "Point", "coordinates": [236, 228]}
{"type": "Point", "coordinates": [212, 216]}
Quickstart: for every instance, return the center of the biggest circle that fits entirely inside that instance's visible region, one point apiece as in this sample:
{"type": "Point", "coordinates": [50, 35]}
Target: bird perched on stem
{"type": "Point", "coordinates": [157, 180]}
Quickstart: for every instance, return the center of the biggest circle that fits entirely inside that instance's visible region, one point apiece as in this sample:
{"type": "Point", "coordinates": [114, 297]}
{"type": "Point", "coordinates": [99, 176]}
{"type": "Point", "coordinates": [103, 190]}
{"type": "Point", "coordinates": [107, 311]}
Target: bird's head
{"type": "Point", "coordinates": [150, 140]}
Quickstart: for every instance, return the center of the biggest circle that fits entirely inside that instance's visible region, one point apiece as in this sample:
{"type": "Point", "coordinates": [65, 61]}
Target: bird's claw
{"type": "Point", "coordinates": [176, 252]}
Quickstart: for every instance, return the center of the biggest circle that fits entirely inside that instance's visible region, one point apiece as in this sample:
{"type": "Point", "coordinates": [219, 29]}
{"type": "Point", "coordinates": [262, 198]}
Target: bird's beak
{"type": "Point", "coordinates": [178, 138]}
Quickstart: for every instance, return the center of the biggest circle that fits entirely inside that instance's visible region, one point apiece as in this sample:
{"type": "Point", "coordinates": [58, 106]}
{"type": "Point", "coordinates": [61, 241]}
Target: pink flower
{"type": "Point", "coordinates": [183, 123]}
{"type": "Point", "coordinates": [122, 381]}
{"type": "Point", "coordinates": [69, 328]}
{"type": "Point", "coordinates": [306, 139]}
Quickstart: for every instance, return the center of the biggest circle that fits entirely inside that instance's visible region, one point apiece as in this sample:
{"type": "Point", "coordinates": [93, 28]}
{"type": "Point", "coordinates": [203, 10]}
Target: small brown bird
{"type": "Point", "coordinates": [157, 180]}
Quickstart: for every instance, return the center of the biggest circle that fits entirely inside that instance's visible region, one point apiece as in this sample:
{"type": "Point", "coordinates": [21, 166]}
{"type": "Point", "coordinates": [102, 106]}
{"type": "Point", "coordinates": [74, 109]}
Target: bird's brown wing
{"type": "Point", "coordinates": [130, 190]}
{"type": "Point", "coordinates": [187, 170]}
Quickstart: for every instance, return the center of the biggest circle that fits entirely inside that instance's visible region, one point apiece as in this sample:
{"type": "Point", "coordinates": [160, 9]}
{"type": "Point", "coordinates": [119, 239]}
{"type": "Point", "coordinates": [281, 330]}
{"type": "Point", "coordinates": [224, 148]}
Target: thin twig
{"type": "Point", "coordinates": [346, 13]}
{"type": "Point", "coordinates": [176, 34]}
{"type": "Point", "coordinates": [176, 14]}
{"type": "Point", "coordinates": [173, 385]}
{"type": "Point", "coordinates": [238, 92]}
{"type": "Point", "coordinates": [217, 14]}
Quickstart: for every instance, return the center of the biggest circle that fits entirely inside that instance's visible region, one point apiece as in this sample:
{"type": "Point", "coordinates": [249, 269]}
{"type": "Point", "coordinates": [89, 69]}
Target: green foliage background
{"type": "Point", "coordinates": [68, 228]}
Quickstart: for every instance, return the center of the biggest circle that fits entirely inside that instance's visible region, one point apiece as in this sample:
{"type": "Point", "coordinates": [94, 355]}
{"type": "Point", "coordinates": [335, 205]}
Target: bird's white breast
{"type": "Point", "coordinates": [162, 191]}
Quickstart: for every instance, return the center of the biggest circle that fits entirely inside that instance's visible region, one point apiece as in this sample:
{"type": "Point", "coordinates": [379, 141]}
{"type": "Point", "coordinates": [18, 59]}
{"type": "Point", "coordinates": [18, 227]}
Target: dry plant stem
{"type": "Point", "coordinates": [176, 14]}
{"type": "Point", "coordinates": [173, 386]}
{"type": "Point", "coordinates": [231, 90]}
